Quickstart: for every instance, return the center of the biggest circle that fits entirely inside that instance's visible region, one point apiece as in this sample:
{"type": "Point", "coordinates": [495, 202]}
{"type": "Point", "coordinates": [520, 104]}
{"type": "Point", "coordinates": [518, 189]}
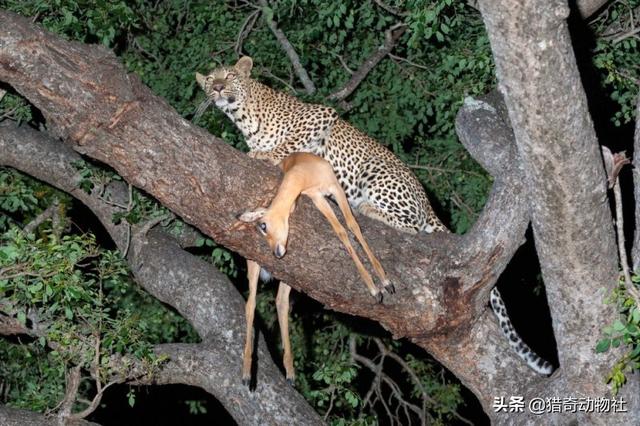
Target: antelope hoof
{"type": "Point", "coordinates": [291, 381]}
{"type": "Point", "coordinates": [246, 382]}
{"type": "Point", "coordinates": [390, 288]}
{"type": "Point", "coordinates": [378, 297]}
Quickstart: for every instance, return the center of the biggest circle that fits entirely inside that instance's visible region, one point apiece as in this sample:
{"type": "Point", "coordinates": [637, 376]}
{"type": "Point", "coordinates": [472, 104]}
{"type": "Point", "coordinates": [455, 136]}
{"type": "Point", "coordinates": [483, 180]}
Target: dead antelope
{"type": "Point", "coordinates": [312, 176]}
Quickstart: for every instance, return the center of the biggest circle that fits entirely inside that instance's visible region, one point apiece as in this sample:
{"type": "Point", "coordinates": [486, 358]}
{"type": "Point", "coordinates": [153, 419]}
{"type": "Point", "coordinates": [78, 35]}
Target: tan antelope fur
{"type": "Point", "coordinates": [312, 176]}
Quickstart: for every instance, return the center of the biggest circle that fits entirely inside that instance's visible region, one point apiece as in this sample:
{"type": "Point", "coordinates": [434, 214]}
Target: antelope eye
{"type": "Point", "coordinates": [262, 227]}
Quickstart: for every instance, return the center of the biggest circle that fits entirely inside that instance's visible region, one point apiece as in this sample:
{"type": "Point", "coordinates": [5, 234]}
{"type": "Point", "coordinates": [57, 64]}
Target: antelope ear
{"type": "Point", "coordinates": [251, 216]}
{"type": "Point", "coordinates": [244, 65]}
{"type": "Point", "coordinates": [200, 79]}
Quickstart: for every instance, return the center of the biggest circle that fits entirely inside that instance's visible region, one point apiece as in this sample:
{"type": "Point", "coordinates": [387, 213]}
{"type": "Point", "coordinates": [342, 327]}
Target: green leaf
{"type": "Point", "coordinates": [603, 345]}
{"type": "Point", "coordinates": [618, 325]}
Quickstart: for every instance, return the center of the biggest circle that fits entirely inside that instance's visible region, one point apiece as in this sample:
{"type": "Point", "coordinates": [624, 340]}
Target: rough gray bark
{"type": "Point", "coordinates": [16, 417]}
{"type": "Point", "coordinates": [635, 252]}
{"type": "Point", "coordinates": [586, 7]}
{"type": "Point", "coordinates": [589, 7]}
{"type": "Point", "coordinates": [441, 301]}
{"type": "Point", "coordinates": [570, 215]}
{"type": "Point", "coordinates": [201, 294]}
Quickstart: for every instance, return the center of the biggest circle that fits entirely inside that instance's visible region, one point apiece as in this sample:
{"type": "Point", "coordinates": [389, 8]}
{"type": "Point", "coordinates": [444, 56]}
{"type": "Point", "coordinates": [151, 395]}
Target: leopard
{"type": "Point", "coordinates": [275, 124]}
{"type": "Point", "coordinates": [376, 182]}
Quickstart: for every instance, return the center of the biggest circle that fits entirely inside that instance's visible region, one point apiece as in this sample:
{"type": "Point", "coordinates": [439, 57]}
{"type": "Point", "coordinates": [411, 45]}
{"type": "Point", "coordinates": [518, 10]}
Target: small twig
{"type": "Point", "coordinates": [95, 373]}
{"type": "Point", "coordinates": [27, 274]}
{"type": "Point", "coordinates": [613, 164]}
{"type": "Point", "coordinates": [626, 35]}
{"type": "Point", "coordinates": [267, 73]}
{"type": "Point", "coordinates": [10, 326]}
{"type": "Point", "coordinates": [333, 395]}
{"type": "Point", "coordinates": [183, 17]}
{"type": "Point", "coordinates": [94, 403]}
{"type": "Point", "coordinates": [8, 114]}
{"type": "Point", "coordinates": [633, 291]}
{"type": "Point", "coordinates": [48, 213]}
{"type": "Point", "coordinates": [145, 52]}
{"type": "Point", "coordinates": [129, 207]}
{"type": "Point", "coordinates": [625, 74]}
{"type": "Point", "coordinates": [391, 10]}
{"type": "Point", "coordinates": [71, 393]}
{"type": "Point", "coordinates": [343, 63]}
{"type": "Point", "coordinates": [391, 37]}
{"type": "Point", "coordinates": [445, 170]}
{"type": "Point", "coordinates": [457, 200]}
{"type": "Point", "coordinates": [425, 396]}
{"type": "Point", "coordinates": [631, 24]}
{"type": "Point", "coordinates": [381, 377]}
{"type": "Point", "coordinates": [401, 59]}
{"type": "Point", "coordinates": [618, 29]}
{"type": "Point", "coordinates": [245, 29]}
{"type": "Point", "coordinates": [229, 45]}
{"type": "Point", "coordinates": [2, 94]}
{"type": "Point", "coordinates": [310, 88]}
{"type": "Point", "coordinates": [246, 3]}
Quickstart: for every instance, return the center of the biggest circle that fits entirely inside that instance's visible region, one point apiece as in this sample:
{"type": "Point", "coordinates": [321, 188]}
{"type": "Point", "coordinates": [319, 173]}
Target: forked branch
{"type": "Point", "coordinates": [391, 37]}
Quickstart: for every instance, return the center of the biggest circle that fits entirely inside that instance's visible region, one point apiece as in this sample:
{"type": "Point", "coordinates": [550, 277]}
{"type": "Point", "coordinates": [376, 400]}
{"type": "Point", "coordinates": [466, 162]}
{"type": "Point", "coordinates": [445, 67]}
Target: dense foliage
{"type": "Point", "coordinates": [60, 275]}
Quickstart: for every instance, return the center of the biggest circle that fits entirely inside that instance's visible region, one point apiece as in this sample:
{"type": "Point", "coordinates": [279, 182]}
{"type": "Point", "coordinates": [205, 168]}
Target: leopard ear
{"type": "Point", "coordinates": [244, 65]}
{"type": "Point", "coordinates": [200, 79]}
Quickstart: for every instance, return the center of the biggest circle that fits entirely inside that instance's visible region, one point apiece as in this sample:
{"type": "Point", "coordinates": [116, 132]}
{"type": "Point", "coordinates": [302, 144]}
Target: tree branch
{"type": "Point", "coordinates": [192, 286]}
{"type": "Point", "coordinates": [267, 13]}
{"type": "Point", "coordinates": [391, 37]}
{"type": "Point", "coordinates": [49, 213]}
{"type": "Point", "coordinates": [441, 302]}
{"type": "Point", "coordinates": [390, 9]}
{"type": "Point", "coordinates": [16, 417]}
{"type": "Point", "coordinates": [635, 252]}
{"type": "Point", "coordinates": [571, 220]}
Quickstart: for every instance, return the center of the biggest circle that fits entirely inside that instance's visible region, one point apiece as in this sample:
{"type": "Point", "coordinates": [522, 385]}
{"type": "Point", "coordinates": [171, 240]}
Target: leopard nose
{"type": "Point", "coordinates": [218, 87]}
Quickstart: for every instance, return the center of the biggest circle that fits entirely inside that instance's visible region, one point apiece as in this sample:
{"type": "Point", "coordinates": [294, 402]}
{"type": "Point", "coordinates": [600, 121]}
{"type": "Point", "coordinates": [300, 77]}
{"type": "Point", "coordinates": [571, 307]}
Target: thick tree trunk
{"type": "Point", "coordinates": [441, 302]}
{"type": "Point", "coordinates": [192, 286]}
{"type": "Point", "coordinates": [571, 219]}
{"type": "Point", "coordinates": [90, 101]}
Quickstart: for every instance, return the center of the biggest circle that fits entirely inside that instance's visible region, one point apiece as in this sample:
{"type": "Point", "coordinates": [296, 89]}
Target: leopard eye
{"type": "Point", "coordinates": [230, 76]}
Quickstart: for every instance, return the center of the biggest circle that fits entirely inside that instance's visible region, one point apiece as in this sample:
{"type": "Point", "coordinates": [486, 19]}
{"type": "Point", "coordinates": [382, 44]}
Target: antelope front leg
{"type": "Point", "coordinates": [282, 305]}
{"type": "Point", "coordinates": [253, 274]}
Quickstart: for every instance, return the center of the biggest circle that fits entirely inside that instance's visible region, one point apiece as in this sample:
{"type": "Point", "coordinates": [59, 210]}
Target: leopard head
{"type": "Point", "coordinates": [227, 86]}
